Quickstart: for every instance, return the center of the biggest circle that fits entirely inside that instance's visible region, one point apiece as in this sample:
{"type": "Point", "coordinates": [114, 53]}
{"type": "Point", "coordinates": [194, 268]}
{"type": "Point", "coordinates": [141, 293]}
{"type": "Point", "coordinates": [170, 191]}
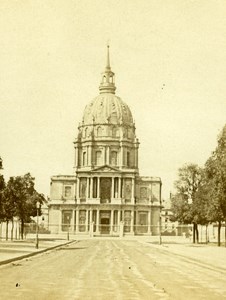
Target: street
{"type": "Point", "coordinates": [111, 269]}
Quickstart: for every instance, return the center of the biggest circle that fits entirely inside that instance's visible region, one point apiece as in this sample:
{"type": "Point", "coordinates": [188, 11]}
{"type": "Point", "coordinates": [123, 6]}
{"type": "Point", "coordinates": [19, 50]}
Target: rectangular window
{"type": "Point", "coordinates": [128, 159]}
{"type": "Point", "coordinates": [98, 158]}
{"type": "Point", "coordinates": [143, 193]}
{"type": "Point", "coordinates": [84, 158]}
{"type": "Point", "coordinates": [67, 191]}
{"type": "Point", "coordinates": [114, 158]}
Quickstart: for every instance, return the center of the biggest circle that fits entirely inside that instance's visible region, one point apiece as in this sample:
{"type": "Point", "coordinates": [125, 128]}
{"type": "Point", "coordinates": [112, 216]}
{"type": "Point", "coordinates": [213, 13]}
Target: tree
{"type": "Point", "coordinates": [215, 169]}
{"type": "Point", "coordinates": [185, 204]}
{"type": "Point", "coordinates": [8, 208]}
{"type": "Point", "coordinates": [21, 194]}
{"type": "Point", "coordinates": [2, 187]}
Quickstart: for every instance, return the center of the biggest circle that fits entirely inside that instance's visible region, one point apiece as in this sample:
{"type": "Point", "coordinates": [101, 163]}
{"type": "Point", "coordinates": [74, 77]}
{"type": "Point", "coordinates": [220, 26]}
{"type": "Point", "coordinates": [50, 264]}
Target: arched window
{"type": "Point", "coordinates": [114, 158]}
{"type": "Point", "coordinates": [99, 131]}
{"type": "Point", "coordinates": [98, 158]}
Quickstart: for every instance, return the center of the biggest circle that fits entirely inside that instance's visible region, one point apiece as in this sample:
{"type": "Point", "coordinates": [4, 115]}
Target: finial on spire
{"type": "Point", "coordinates": [108, 58]}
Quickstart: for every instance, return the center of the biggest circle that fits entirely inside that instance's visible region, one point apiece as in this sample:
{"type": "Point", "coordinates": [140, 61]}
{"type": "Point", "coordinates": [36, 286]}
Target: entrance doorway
{"type": "Point", "coordinates": [105, 226]}
{"type": "Point", "coordinates": [105, 222]}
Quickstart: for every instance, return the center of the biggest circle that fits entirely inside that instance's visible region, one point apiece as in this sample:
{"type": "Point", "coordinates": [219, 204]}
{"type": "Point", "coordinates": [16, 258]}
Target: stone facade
{"type": "Point", "coordinates": [106, 195]}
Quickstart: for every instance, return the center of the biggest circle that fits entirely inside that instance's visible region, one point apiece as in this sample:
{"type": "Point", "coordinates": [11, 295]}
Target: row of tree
{"type": "Point", "coordinates": [200, 196]}
{"type": "Point", "coordinates": [18, 199]}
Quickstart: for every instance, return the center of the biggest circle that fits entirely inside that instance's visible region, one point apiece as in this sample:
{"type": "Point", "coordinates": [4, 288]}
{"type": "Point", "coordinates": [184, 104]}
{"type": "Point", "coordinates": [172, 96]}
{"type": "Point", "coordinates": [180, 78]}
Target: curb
{"type": "Point", "coordinates": [7, 261]}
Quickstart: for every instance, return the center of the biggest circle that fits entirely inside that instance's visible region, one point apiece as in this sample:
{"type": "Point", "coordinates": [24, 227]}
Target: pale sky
{"type": "Point", "coordinates": [169, 59]}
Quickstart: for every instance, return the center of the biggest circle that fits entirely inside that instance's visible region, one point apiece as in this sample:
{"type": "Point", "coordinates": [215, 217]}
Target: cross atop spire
{"type": "Point", "coordinates": [107, 84]}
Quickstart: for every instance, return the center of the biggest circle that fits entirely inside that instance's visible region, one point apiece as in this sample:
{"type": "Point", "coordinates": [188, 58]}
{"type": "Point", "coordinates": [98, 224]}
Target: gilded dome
{"type": "Point", "coordinates": [107, 108]}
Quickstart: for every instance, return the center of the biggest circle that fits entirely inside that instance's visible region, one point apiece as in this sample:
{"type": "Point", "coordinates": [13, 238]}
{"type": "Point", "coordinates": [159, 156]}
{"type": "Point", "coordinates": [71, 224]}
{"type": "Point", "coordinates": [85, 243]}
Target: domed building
{"type": "Point", "coordinates": [106, 195]}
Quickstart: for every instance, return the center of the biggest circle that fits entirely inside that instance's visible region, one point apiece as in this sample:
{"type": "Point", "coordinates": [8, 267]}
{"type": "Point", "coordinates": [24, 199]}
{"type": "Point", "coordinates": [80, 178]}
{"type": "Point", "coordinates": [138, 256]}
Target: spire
{"type": "Point", "coordinates": [108, 67]}
{"type": "Point", "coordinates": [107, 84]}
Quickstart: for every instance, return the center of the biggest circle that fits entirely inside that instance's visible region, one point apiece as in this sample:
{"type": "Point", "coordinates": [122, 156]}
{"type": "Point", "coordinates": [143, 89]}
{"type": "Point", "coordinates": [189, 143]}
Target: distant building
{"type": "Point", "coordinates": [105, 195]}
{"type": "Point", "coordinates": [169, 227]}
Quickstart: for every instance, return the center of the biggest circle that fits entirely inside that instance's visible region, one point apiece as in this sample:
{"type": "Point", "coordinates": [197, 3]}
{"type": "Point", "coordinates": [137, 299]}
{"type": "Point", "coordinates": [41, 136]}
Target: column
{"type": "Point", "coordinates": [119, 187]}
{"type": "Point", "coordinates": [122, 191]}
{"type": "Point", "coordinates": [121, 156]}
{"type": "Point", "coordinates": [112, 221]}
{"type": "Point", "coordinates": [123, 215]}
{"type": "Point", "coordinates": [73, 221]}
{"type": "Point", "coordinates": [112, 187]}
{"type": "Point", "coordinates": [98, 187]}
{"type": "Point", "coordinates": [91, 188]}
{"type": "Point", "coordinates": [87, 219]}
{"type": "Point", "coordinates": [132, 195]}
{"type": "Point", "coordinates": [98, 221]}
{"type": "Point", "coordinates": [74, 192]}
{"type": "Point", "coordinates": [90, 155]}
{"type": "Point", "coordinates": [76, 157]}
{"type": "Point", "coordinates": [132, 221]}
{"type": "Point", "coordinates": [91, 216]}
{"type": "Point", "coordinates": [77, 192]}
{"type": "Point", "coordinates": [87, 155]}
{"type": "Point", "coordinates": [60, 221]}
{"type": "Point", "coordinates": [87, 187]}
{"type": "Point", "coordinates": [135, 157]}
{"type": "Point", "coordinates": [135, 225]}
{"type": "Point", "coordinates": [77, 221]}
{"type": "Point", "coordinates": [108, 156]}
{"type": "Point", "coordinates": [149, 223]}
{"type": "Point", "coordinates": [105, 155]}
{"type": "Point", "coordinates": [118, 224]}
{"type": "Point", "coordinates": [91, 223]}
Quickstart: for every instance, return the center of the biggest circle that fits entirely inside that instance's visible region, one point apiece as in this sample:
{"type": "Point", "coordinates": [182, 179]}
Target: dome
{"type": "Point", "coordinates": [107, 108]}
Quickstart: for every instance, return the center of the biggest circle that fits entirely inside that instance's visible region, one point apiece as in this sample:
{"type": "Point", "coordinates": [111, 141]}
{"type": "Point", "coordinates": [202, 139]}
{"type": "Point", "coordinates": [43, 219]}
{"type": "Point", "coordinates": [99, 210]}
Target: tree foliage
{"type": "Point", "coordinates": [215, 168]}
{"type": "Point", "coordinates": [201, 193]}
{"type": "Point", "coordinates": [185, 204]}
{"type": "Point", "coordinates": [20, 198]}
{"type": "Point", "coordinates": [2, 187]}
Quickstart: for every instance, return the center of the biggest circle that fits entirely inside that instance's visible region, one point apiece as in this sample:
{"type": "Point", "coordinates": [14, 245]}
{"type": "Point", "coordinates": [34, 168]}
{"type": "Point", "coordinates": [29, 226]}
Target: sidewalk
{"type": "Point", "coordinates": [212, 256]}
{"type": "Point", "coordinates": [18, 249]}
{"type": "Point", "coordinates": [209, 255]}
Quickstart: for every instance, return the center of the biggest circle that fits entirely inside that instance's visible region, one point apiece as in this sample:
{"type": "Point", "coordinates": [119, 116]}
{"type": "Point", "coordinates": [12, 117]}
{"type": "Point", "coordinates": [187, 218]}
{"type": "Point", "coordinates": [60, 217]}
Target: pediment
{"type": "Point", "coordinates": [105, 168]}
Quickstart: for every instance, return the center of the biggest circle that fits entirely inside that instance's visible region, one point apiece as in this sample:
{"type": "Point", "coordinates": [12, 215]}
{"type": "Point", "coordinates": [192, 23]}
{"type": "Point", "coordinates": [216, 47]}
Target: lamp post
{"type": "Point", "coordinates": [37, 206]}
{"type": "Point", "coordinates": [160, 228]}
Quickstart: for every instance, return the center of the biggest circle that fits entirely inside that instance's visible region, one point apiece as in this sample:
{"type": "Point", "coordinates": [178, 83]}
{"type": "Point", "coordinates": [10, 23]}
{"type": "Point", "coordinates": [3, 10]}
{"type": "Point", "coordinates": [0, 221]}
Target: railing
{"type": "Point", "coordinates": [182, 232]}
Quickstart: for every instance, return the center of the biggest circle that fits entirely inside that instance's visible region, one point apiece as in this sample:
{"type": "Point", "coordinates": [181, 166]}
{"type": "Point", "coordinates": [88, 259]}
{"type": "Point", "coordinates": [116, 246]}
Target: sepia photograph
{"type": "Point", "coordinates": [113, 149]}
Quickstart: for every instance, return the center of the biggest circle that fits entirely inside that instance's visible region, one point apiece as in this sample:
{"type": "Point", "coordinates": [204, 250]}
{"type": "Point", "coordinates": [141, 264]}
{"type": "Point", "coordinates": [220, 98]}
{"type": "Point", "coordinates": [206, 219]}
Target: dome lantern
{"type": "Point", "coordinates": [107, 84]}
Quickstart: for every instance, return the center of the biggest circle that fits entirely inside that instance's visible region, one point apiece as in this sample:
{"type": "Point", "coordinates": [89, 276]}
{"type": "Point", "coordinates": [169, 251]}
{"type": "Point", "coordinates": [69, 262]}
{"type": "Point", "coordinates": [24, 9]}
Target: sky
{"type": "Point", "coordinates": [169, 61]}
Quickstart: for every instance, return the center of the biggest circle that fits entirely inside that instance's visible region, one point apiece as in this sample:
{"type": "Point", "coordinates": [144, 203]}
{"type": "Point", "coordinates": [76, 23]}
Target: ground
{"type": "Point", "coordinates": [111, 269]}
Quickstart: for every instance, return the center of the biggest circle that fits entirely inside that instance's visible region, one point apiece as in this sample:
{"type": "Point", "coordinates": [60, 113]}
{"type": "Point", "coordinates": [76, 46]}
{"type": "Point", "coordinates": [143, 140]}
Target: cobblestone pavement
{"type": "Point", "coordinates": [111, 269]}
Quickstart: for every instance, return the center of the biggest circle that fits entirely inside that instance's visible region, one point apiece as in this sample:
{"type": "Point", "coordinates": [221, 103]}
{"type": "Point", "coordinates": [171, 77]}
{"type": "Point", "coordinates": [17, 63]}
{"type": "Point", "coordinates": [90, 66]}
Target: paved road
{"type": "Point", "coordinates": [110, 269]}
